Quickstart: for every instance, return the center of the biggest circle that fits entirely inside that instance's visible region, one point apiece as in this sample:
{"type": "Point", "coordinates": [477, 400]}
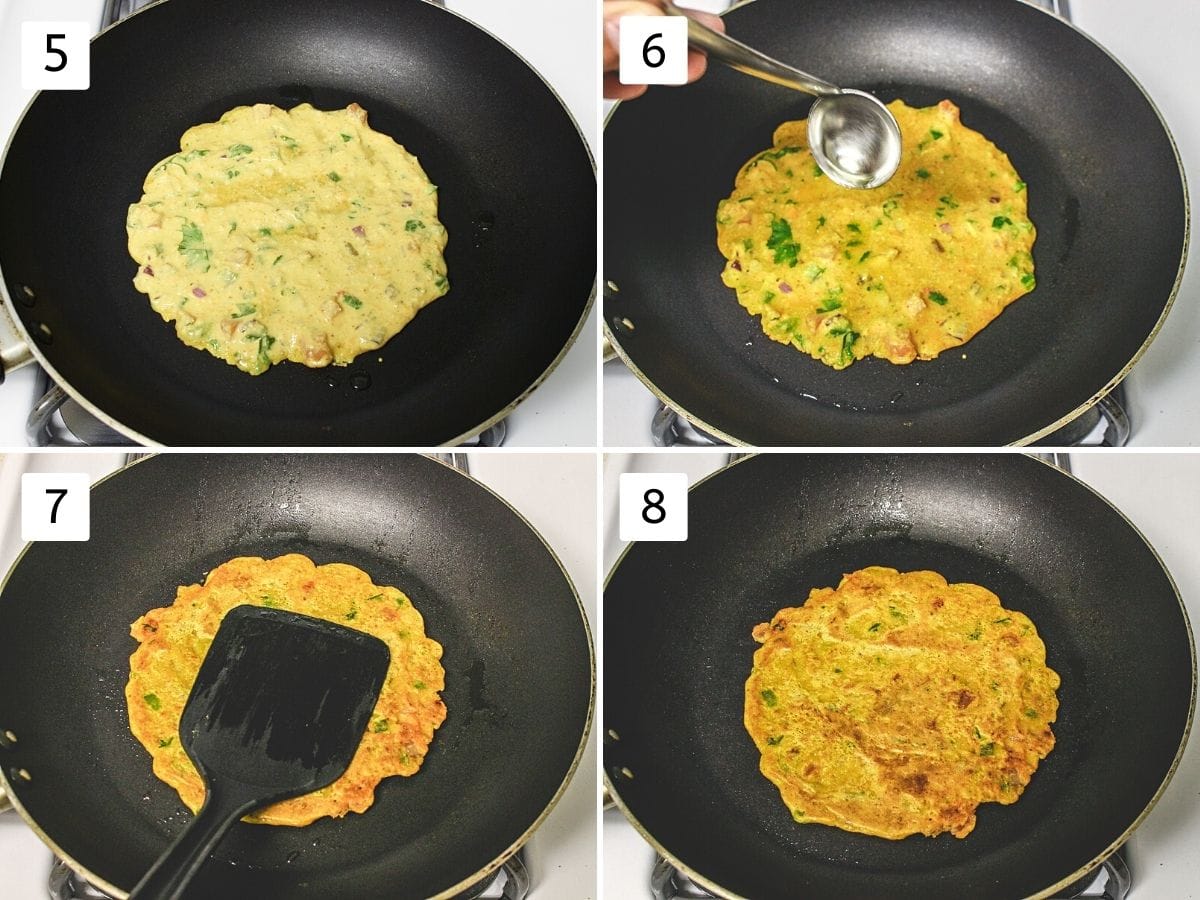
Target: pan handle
{"type": "Point", "coordinates": [14, 349]}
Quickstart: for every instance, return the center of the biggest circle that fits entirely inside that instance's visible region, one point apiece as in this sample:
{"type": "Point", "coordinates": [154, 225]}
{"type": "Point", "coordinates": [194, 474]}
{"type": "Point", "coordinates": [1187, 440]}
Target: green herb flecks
{"type": "Point", "coordinates": [938, 298]}
{"type": "Point", "coordinates": [239, 150]}
{"type": "Point", "coordinates": [413, 224]}
{"type": "Point", "coordinates": [776, 740]}
{"type": "Point", "coordinates": [351, 301]}
{"type": "Point", "coordinates": [988, 749]}
{"type": "Point", "coordinates": [875, 627]}
{"type": "Point", "coordinates": [232, 173]}
{"type": "Point", "coordinates": [863, 258]}
{"type": "Point", "coordinates": [345, 138]}
{"type": "Point", "coordinates": [786, 250]}
{"type": "Point", "coordinates": [419, 685]}
{"type": "Point", "coordinates": [153, 702]}
{"type": "Point", "coordinates": [817, 173]}
{"type": "Point", "coordinates": [769, 697]}
{"type": "Point", "coordinates": [922, 173]}
{"type": "Point", "coordinates": [243, 310]}
{"type": "Point", "coordinates": [1031, 713]}
{"type": "Point", "coordinates": [264, 232]}
{"type": "Point", "coordinates": [333, 176]}
{"type": "Point", "coordinates": [829, 304]}
{"type": "Point", "coordinates": [813, 272]}
{"type": "Point", "coordinates": [820, 221]}
{"type": "Point", "coordinates": [1000, 221]}
{"type": "Point", "coordinates": [380, 726]}
{"type": "Point", "coordinates": [853, 226]}
{"type": "Point", "coordinates": [948, 200]}
{"type": "Point", "coordinates": [166, 742]}
{"type": "Point", "coordinates": [1028, 281]}
{"type": "Point", "coordinates": [977, 633]}
{"type": "Point", "coordinates": [935, 134]}
{"type": "Point", "coordinates": [768, 296]}
{"type": "Point", "coordinates": [1018, 187]}
{"type": "Point", "coordinates": [265, 342]}
{"type": "Point", "coordinates": [193, 248]}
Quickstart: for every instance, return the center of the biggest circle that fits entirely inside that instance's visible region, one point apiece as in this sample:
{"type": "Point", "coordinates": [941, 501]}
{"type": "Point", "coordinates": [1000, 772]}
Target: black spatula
{"type": "Point", "coordinates": [278, 710]}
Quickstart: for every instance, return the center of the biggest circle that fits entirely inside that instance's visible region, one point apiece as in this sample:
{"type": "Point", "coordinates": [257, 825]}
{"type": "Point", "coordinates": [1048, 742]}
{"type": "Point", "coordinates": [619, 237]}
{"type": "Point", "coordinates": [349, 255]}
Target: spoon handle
{"type": "Point", "coordinates": [748, 60]}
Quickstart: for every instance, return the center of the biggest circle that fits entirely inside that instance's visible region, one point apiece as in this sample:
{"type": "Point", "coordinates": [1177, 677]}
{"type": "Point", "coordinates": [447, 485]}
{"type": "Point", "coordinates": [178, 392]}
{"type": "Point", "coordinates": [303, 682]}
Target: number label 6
{"type": "Point", "coordinates": [654, 50]}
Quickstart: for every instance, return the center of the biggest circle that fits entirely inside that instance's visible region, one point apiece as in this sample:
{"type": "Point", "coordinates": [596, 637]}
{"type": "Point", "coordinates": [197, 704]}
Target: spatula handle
{"type": "Point", "coordinates": [169, 877]}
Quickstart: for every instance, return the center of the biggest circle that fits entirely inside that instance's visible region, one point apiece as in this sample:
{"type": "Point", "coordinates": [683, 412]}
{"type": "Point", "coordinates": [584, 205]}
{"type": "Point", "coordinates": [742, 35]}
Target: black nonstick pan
{"type": "Point", "coordinates": [517, 195]}
{"type": "Point", "coordinates": [766, 531]}
{"type": "Point", "coordinates": [516, 653]}
{"type": "Point", "coordinates": [1106, 192]}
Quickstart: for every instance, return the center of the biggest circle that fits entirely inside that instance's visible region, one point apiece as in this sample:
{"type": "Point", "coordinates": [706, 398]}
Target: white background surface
{"type": "Point", "coordinates": [562, 852]}
{"type": "Point", "coordinates": [559, 39]}
{"type": "Point", "coordinates": [1158, 493]}
{"type": "Point", "coordinates": [1156, 41]}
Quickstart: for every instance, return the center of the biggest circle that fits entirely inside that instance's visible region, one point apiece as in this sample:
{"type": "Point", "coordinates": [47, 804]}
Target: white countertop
{"type": "Point", "coordinates": [561, 854]}
{"type": "Point", "coordinates": [1157, 492]}
{"type": "Point", "coordinates": [1155, 40]}
{"type": "Point", "coordinates": [558, 39]}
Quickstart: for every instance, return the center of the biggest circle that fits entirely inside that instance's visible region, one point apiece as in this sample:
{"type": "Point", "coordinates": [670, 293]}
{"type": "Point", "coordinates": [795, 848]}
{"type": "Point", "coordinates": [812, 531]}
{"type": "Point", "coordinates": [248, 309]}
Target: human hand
{"type": "Point", "coordinates": [613, 11]}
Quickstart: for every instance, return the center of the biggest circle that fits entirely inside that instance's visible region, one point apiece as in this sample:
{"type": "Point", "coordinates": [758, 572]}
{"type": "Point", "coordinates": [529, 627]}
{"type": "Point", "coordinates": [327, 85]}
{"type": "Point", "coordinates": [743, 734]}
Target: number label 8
{"type": "Point", "coordinates": [653, 506]}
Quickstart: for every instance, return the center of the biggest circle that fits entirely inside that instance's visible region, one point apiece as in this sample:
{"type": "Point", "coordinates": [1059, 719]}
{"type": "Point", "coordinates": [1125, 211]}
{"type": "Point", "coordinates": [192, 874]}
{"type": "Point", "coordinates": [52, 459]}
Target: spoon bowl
{"type": "Point", "coordinates": [854, 138]}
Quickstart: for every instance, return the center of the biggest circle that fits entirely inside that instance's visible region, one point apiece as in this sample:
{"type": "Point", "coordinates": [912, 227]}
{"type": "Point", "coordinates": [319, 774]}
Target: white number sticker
{"type": "Point", "coordinates": [654, 506]}
{"type": "Point", "coordinates": [56, 506]}
{"type": "Point", "coordinates": [654, 50]}
{"type": "Point", "coordinates": [56, 56]}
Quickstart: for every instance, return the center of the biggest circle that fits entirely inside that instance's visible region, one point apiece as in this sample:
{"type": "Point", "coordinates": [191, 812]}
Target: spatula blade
{"type": "Point", "coordinates": [282, 700]}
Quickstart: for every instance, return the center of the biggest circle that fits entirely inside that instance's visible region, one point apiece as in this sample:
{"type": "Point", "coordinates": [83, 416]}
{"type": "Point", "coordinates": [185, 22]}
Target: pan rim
{"type": "Point", "coordinates": [40, 358]}
{"type": "Point", "coordinates": [1049, 891]}
{"type": "Point", "coordinates": [1099, 395]}
{"type": "Point", "coordinates": [7, 790]}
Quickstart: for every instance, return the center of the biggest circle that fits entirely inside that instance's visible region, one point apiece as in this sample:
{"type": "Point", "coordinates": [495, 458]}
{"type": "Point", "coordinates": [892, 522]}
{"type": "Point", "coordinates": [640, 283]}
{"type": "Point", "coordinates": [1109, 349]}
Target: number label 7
{"type": "Point", "coordinates": [55, 506]}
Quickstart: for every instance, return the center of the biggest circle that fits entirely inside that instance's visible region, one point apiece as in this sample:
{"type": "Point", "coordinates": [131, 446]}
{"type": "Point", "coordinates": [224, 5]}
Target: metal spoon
{"type": "Point", "coordinates": [854, 138]}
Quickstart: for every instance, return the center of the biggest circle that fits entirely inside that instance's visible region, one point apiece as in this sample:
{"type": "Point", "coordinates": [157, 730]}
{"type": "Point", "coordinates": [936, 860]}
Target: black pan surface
{"type": "Point", "coordinates": [517, 659]}
{"type": "Point", "coordinates": [1106, 192]}
{"type": "Point", "coordinates": [517, 196]}
{"type": "Point", "coordinates": [766, 531]}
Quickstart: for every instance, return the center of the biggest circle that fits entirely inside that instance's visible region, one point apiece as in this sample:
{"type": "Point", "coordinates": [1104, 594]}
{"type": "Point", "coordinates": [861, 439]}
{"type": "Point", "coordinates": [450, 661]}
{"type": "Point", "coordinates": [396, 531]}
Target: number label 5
{"type": "Point", "coordinates": [653, 506]}
{"type": "Point", "coordinates": [55, 56]}
{"type": "Point", "coordinates": [654, 50]}
{"type": "Point", "coordinates": [55, 506]}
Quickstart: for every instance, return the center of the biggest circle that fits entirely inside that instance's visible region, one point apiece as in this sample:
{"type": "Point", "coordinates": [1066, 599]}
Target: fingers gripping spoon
{"type": "Point", "coordinates": [854, 138]}
{"type": "Point", "coordinates": [277, 710]}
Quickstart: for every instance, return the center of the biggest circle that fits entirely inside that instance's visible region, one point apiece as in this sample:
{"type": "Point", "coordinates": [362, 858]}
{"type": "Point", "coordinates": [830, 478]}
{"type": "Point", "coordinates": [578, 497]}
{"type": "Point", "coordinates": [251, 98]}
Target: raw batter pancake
{"type": "Point", "coordinates": [175, 639]}
{"type": "Point", "coordinates": [897, 703]}
{"type": "Point", "coordinates": [301, 235]}
{"type": "Point", "coordinates": [902, 271]}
